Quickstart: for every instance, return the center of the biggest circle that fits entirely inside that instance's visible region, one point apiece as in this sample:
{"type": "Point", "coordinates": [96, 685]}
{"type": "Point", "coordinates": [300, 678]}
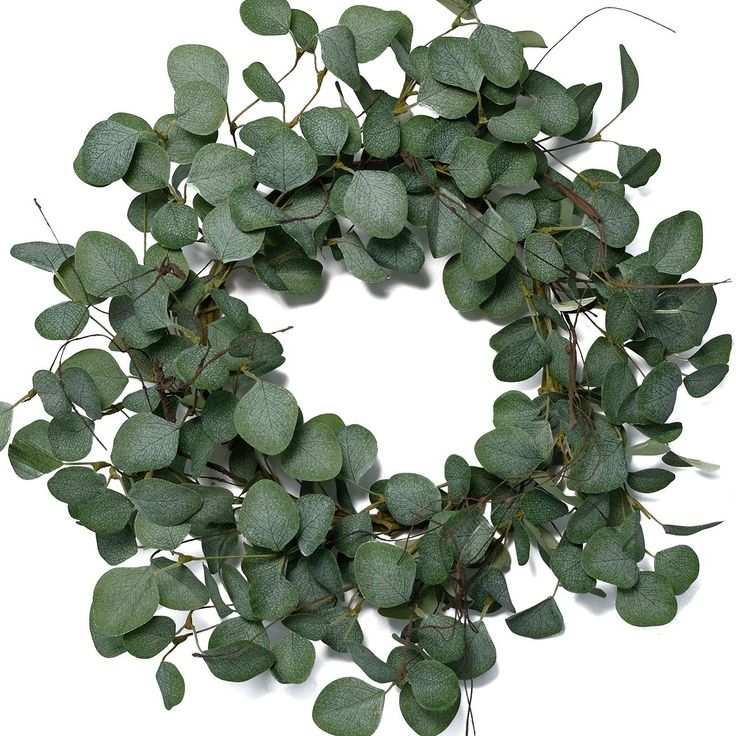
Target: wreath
{"type": "Point", "coordinates": [221, 496]}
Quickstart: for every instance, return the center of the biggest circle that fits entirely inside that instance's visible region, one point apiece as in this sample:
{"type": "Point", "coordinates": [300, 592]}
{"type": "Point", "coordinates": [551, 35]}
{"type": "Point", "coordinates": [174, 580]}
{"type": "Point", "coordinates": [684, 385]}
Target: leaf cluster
{"type": "Point", "coordinates": [213, 453]}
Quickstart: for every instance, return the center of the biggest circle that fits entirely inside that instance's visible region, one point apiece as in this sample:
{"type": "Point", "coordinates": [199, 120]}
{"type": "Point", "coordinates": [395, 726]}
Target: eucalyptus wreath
{"type": "Point", "coordinates": [229, 500]}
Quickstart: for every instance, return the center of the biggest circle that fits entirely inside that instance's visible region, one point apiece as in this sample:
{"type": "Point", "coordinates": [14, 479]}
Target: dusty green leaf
{"type": "Point", "coordinates": [377, 202]}
{"type": "Point", "coordinates": [266, 417]}
{"type": "Point", "coordinates": [385, 574]}
{"type": "Point", "coordinates": [266, 17]}
{"type": "Point", "coordinates": [124, 599]}
{"type": "Point", "coordinates": [349, 707]}
{"type": "Point", "coordinates": [651, 602]}
{"type": "Point", "coordinates": [269, 516]}
{"type": "Point", "coordinates": [537, 622]}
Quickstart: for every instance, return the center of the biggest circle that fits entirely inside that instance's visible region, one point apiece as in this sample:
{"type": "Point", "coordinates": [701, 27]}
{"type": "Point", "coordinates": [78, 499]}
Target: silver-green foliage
{"type": "Point", "coordinates": [211, 450]}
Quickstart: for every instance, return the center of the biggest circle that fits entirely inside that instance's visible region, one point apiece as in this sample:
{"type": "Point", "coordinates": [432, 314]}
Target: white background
{"type": "Point", "coordinates": [397, 359]}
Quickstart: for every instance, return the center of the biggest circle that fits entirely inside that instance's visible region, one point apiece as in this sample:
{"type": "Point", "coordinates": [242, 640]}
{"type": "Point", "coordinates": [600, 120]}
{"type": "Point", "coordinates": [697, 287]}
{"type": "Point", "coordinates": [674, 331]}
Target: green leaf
{"type": "Point", "coordinates": [238, 661]}
{"type": "Point", "coordinates": [435, 685]}
{"type": "Point", "coordinates": [492, 583]}
{"type": "Point", "coordinates": [269, 517]}
{"type": "Point", "coordinates": [372, 666]}
{"type": "Point", "coordinates": [500, 53]}
{"type": "Point", "coordinates": [294, 659]}
{"type": "Point", "coordinates": [537, 622]}
{"type": "Point", "coordinates": [464, 293]}
{"type": "Point", "coordinates": [218, 170]}
{"type": "Point", "coordinates": [703, 381]}
{"type": "Point", "coordinates": [687, 531]}
{"type": "Point", "coordinates": [200, 107]}
{"type": "Point", "coordinates": [314, 453]}
{"type": "Point", "coordinates": [520, 125]}
{"type": "Point", "coordinates": [74, 485]}
{"type": "Point", "coordinates": [171, 684]}
{"type": "Point", "coordinates": [385, 574]}
{"type": "Point", "coordinates": [325, 129]}
{"type": "Point", "coordinates": [679, 566]}
{"type": "Point", "coordinates": [150, 168]}
{"type": "Point", "coordinates": [442, 637]}
{"type": "Point", "coordinates": [357, 260]}
{"type": "Point", "coordinates": [106, 153]}
{"type": "Point", "coordinates": [621, 318]}
{"type": "Point", "coordinates": [620, 221]}
{"type": "Point", "coordinates": [451, 103]}
{"type": "Point", "coordinates": [124, 599]}
{"type": "Point", "coordinates": [461, 8]}
{"type": "Point", "coordinates": [266, 17]}
{"type": "Point", "coordinates": [515, 452]}
{"type": "Point", "coordinates": [359, 451]}
{"type": "Point", "coordinates": [522, 359]}
{"type": "Point", "coordinates": [591, 516]}
{"type": "Point", "coordinates": [447, 222]}
{"type": "Point", "coordinates": [604, 558]}
{"type": "Point", "coordinates": [480, 652]}
{"type": "Point", "coordinates": [30, 452]}
{"type": "Point", "coordinates": [377, 202]}
{"type": "Point", "coordinates": [651, 602]}
{"type": "Point", "coordinates": [260, 82]}
{"type": "Point", "coordinates": [531, 39]}
{"type": "Point", "coordinates": [677, 243]}
{"type": "Point", "coordinates": [488, 244]}
{"type": "Point", "coordinates": [540, 507]}
{"type": "Point", "coordinates": [372, 28]}
{"type": "Point", "coordinates": [62, 321]}
{"type": "Point", "coordinates": [637, 166]}
{"type": "Point", "coordinates": [284, 268]}
{"type": "Point", "coordinates": [150, 639]}
{"type": "Point", "coordinates": [70, 437]}
{"type": "Point", "coordinates": [650, 480]}
{"type": "Point", "coordinates": [251, 211]}
{"type": "Point", "coordinates": [340, 56]}
{"type": "Point", "coordinates": [715, 352]}
{"type": "Point", "coordinates": [351, 532]}
{"type": "Point", "coordinates": [455, 62]}
{"type": "Point", "coordinates": [402, 253]}
{"type": "Point", "coordinates": [145, 442]}
{"type": "Point", "coordinates": [422, 721]}
{"type": "Point", "coordinates": [6, 423]}
{"type": "Point", "coordinates": [164, 503]}
{"type": "Point", "coordinates": [382, 130]}
{"type": "Point", "coordinates": [304, 28]}
{"type": "Point", "coordinates": [285, 162]}
{"type": "Point", "coordinates": [565, 562]}
{"type": "Point", "coordinates": [266, 417]}
{"type": "Point", "coordinates": [175, 225]}
{"type": "Point", "coordinates": [512, 165]}
{"type": "Point", "coordinates": [230, 243]}
{"type": "Point", "coordinates": [412, 498]}
{"type": "Point", "coordinates": [557, 110]}
{"type": "Point", "coordinates": [349, 707]}
{"type": "Point", "coordinates": [470, 166]}
{"type": "Point", "coordinates": [49, 389]}
{"type": "Point", "coordinates": [46, 256]}
{"type": "Point", "coordinates": [104, 264]}
{"type": "Point", "coordinates": [599, 457]}
{"type": "Point", "coordinates": [194, 63]}
{"type": "Point", "coordinates": [107, 512]}
{"type": "Point", "coordinates": [543, 258]}
{"type": "Point", "coordinates": [629, 78]}
{"type": "Point", "coordinates": [154, 536]}
{"type": "Point", "coordinates": [316, 514]}
{"type": "Point", "coordinates": [655, 399]}
{"type": "Point", "coordinates": [178, 587]}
